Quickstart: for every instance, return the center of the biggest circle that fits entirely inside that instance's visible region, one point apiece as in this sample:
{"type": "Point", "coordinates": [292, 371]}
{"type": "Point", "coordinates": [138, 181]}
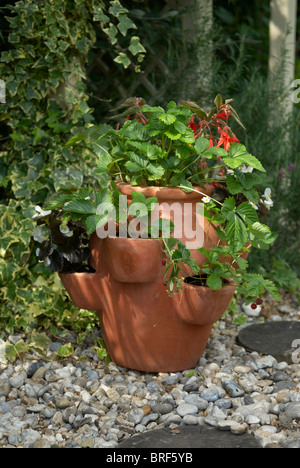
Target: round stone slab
{"type": "Point", "coordinates": [278, 339]}
{"type": "Point", "coordinates": [190, 437]}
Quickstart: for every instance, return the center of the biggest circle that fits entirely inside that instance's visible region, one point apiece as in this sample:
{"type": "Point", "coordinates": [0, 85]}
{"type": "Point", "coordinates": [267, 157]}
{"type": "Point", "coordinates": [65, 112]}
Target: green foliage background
{"type": "Point", "coordinates": [49, 51]}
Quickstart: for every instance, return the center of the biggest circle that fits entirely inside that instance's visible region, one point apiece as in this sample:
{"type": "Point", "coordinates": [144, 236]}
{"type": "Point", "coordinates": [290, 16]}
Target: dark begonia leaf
{"type": "Point", "coordinates": [56, 261]}
{"type": "Point", "coordinates": [76, 255]}
{"type": "Point", "coordinates": [45, 249]}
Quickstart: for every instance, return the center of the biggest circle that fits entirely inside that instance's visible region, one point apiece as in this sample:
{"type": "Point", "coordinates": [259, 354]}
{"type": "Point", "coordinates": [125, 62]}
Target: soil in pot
{"type": "Point", "coordinates": [200, 280]}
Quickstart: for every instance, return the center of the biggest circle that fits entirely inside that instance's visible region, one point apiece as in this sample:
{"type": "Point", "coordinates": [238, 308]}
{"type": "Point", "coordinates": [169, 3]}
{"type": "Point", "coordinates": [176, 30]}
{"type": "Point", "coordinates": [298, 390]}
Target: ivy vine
{"type": "Point", "coordinates": [44, 71]}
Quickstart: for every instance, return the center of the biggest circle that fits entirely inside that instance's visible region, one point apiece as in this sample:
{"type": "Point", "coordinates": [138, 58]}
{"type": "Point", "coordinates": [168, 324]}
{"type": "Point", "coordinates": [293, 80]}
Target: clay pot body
{"type": "Point", "coordinates": [134, 260]}
{"type": "Point", "coordinates": [143, 328]}
{"type": "Point", "coordinates": [182, 209]}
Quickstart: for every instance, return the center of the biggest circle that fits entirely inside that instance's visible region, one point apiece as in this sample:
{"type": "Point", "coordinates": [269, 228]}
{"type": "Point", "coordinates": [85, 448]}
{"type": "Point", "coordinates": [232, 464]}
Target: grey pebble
{"type": "Point", "coordinates": [162, 408]}
{"type": "Point", "coordinates": [150, 418]}
{"type": "Point", "coordinates": [293, 409]}
{"type": "Point", "coordinates": [14, 438]}
{"type": "Point", "coordinates": [33, 368]}
{"type": "Point", "coordinates": [186, 408]}
{"type": "Point", "coordinates": [195, 399]}
{"type": "Point", "coordinates": [210, 394]}
{"type": "Point", "coordinates": [136, 415]}
{"type": "Point", "coordinates": [17, 381]}
{"type": "Point", "coordinates": [233, 389]}
{"type": "Point", "coordinates": [153, 387]}
{"type": "Point", "coordinates": [224, 403]}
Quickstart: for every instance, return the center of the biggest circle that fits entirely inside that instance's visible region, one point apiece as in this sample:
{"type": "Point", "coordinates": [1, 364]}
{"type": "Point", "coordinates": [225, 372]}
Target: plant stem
{"type": "Point", "coordinates": [201, 193]}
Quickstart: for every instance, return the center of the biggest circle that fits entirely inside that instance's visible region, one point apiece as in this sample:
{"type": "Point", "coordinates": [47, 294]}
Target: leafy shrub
{"type": "Point", "coordinates": [43, 69]}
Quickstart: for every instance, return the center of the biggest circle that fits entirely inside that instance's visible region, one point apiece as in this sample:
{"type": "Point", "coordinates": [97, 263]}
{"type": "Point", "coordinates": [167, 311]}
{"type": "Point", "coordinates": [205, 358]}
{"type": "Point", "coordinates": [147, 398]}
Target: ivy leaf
{"type": "Point", "coordinates": [32, 93]}
{"type": "Point", "coordinates": [125, 23]}
{"type": "Point", "coordinates": [16, 350]}
{"type": "Point", "coordinates": [64, 351]}
{"type": "Point", "coordinates": [135, 46]}
{"type": "Point", "coordinates": [8, 270]}
{"type": "Point", "coordinates": [112, 33]}
{"type": "Point", "coordinates": [122, 59]}
{"type": "Point", "coordinates": [116, 8]}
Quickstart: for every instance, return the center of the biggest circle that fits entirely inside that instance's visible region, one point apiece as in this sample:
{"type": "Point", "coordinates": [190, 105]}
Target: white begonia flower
{"type": "Point", "coordinates": [206, 199]}
{"type": "Point", "coordinates": [37, 253]}
{"type": "Point", "coordinates": [254, 206]}
{"type": "Point", "coordinates": [246, 169]}
{"type": "Point", "coordinates": [41, 212]}
{"type": "Point", "coordinates": [268, 202]}
{"type": "Point", "coordinates": [230, 171]}
{"type": "Point", "coordinates": [66, 231]}
{"type": "Point", "coordinates": [38, 234]}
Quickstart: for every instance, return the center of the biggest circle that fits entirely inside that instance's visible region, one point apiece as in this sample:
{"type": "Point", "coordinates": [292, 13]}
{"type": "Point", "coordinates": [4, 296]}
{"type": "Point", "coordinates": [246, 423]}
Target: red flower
{"type": "Point", "coordinates": [193, 126]}
{"type": "Point", "coordinates": [211, 143]}
{"type": "Point", "coordinates": [222, 115]}
{"type": "Point", "coordinates": [226, 140]}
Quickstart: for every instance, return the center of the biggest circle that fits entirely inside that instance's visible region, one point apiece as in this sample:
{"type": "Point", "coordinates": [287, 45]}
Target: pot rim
{"type": "Point", "coordinates": [168, 193]}
{"type": "Point", "coordinates": [230, 283]}
{"type": "Point", "coordinates": [133, 239]}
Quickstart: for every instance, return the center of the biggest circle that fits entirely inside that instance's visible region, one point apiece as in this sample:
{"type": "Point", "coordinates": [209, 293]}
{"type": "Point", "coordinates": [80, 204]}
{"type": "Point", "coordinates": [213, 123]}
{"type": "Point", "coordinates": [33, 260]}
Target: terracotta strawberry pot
{"type": "Point", "coordinates": [206, 300]}
{"type": "Point", "coordinates": [193, 228]}
{"type": "Point", "coordinates": [84, 289]}
{"type": "Point", "coordinates": [182, 208]}
{"type": "Point", "coordinates": [143, 328]}
{"type": "Point", "coordinates": [134, 260]}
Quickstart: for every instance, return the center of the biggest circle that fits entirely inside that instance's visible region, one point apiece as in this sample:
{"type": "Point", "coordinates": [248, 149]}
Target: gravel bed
{"type": "Point", "coordinates": [82, 402]}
